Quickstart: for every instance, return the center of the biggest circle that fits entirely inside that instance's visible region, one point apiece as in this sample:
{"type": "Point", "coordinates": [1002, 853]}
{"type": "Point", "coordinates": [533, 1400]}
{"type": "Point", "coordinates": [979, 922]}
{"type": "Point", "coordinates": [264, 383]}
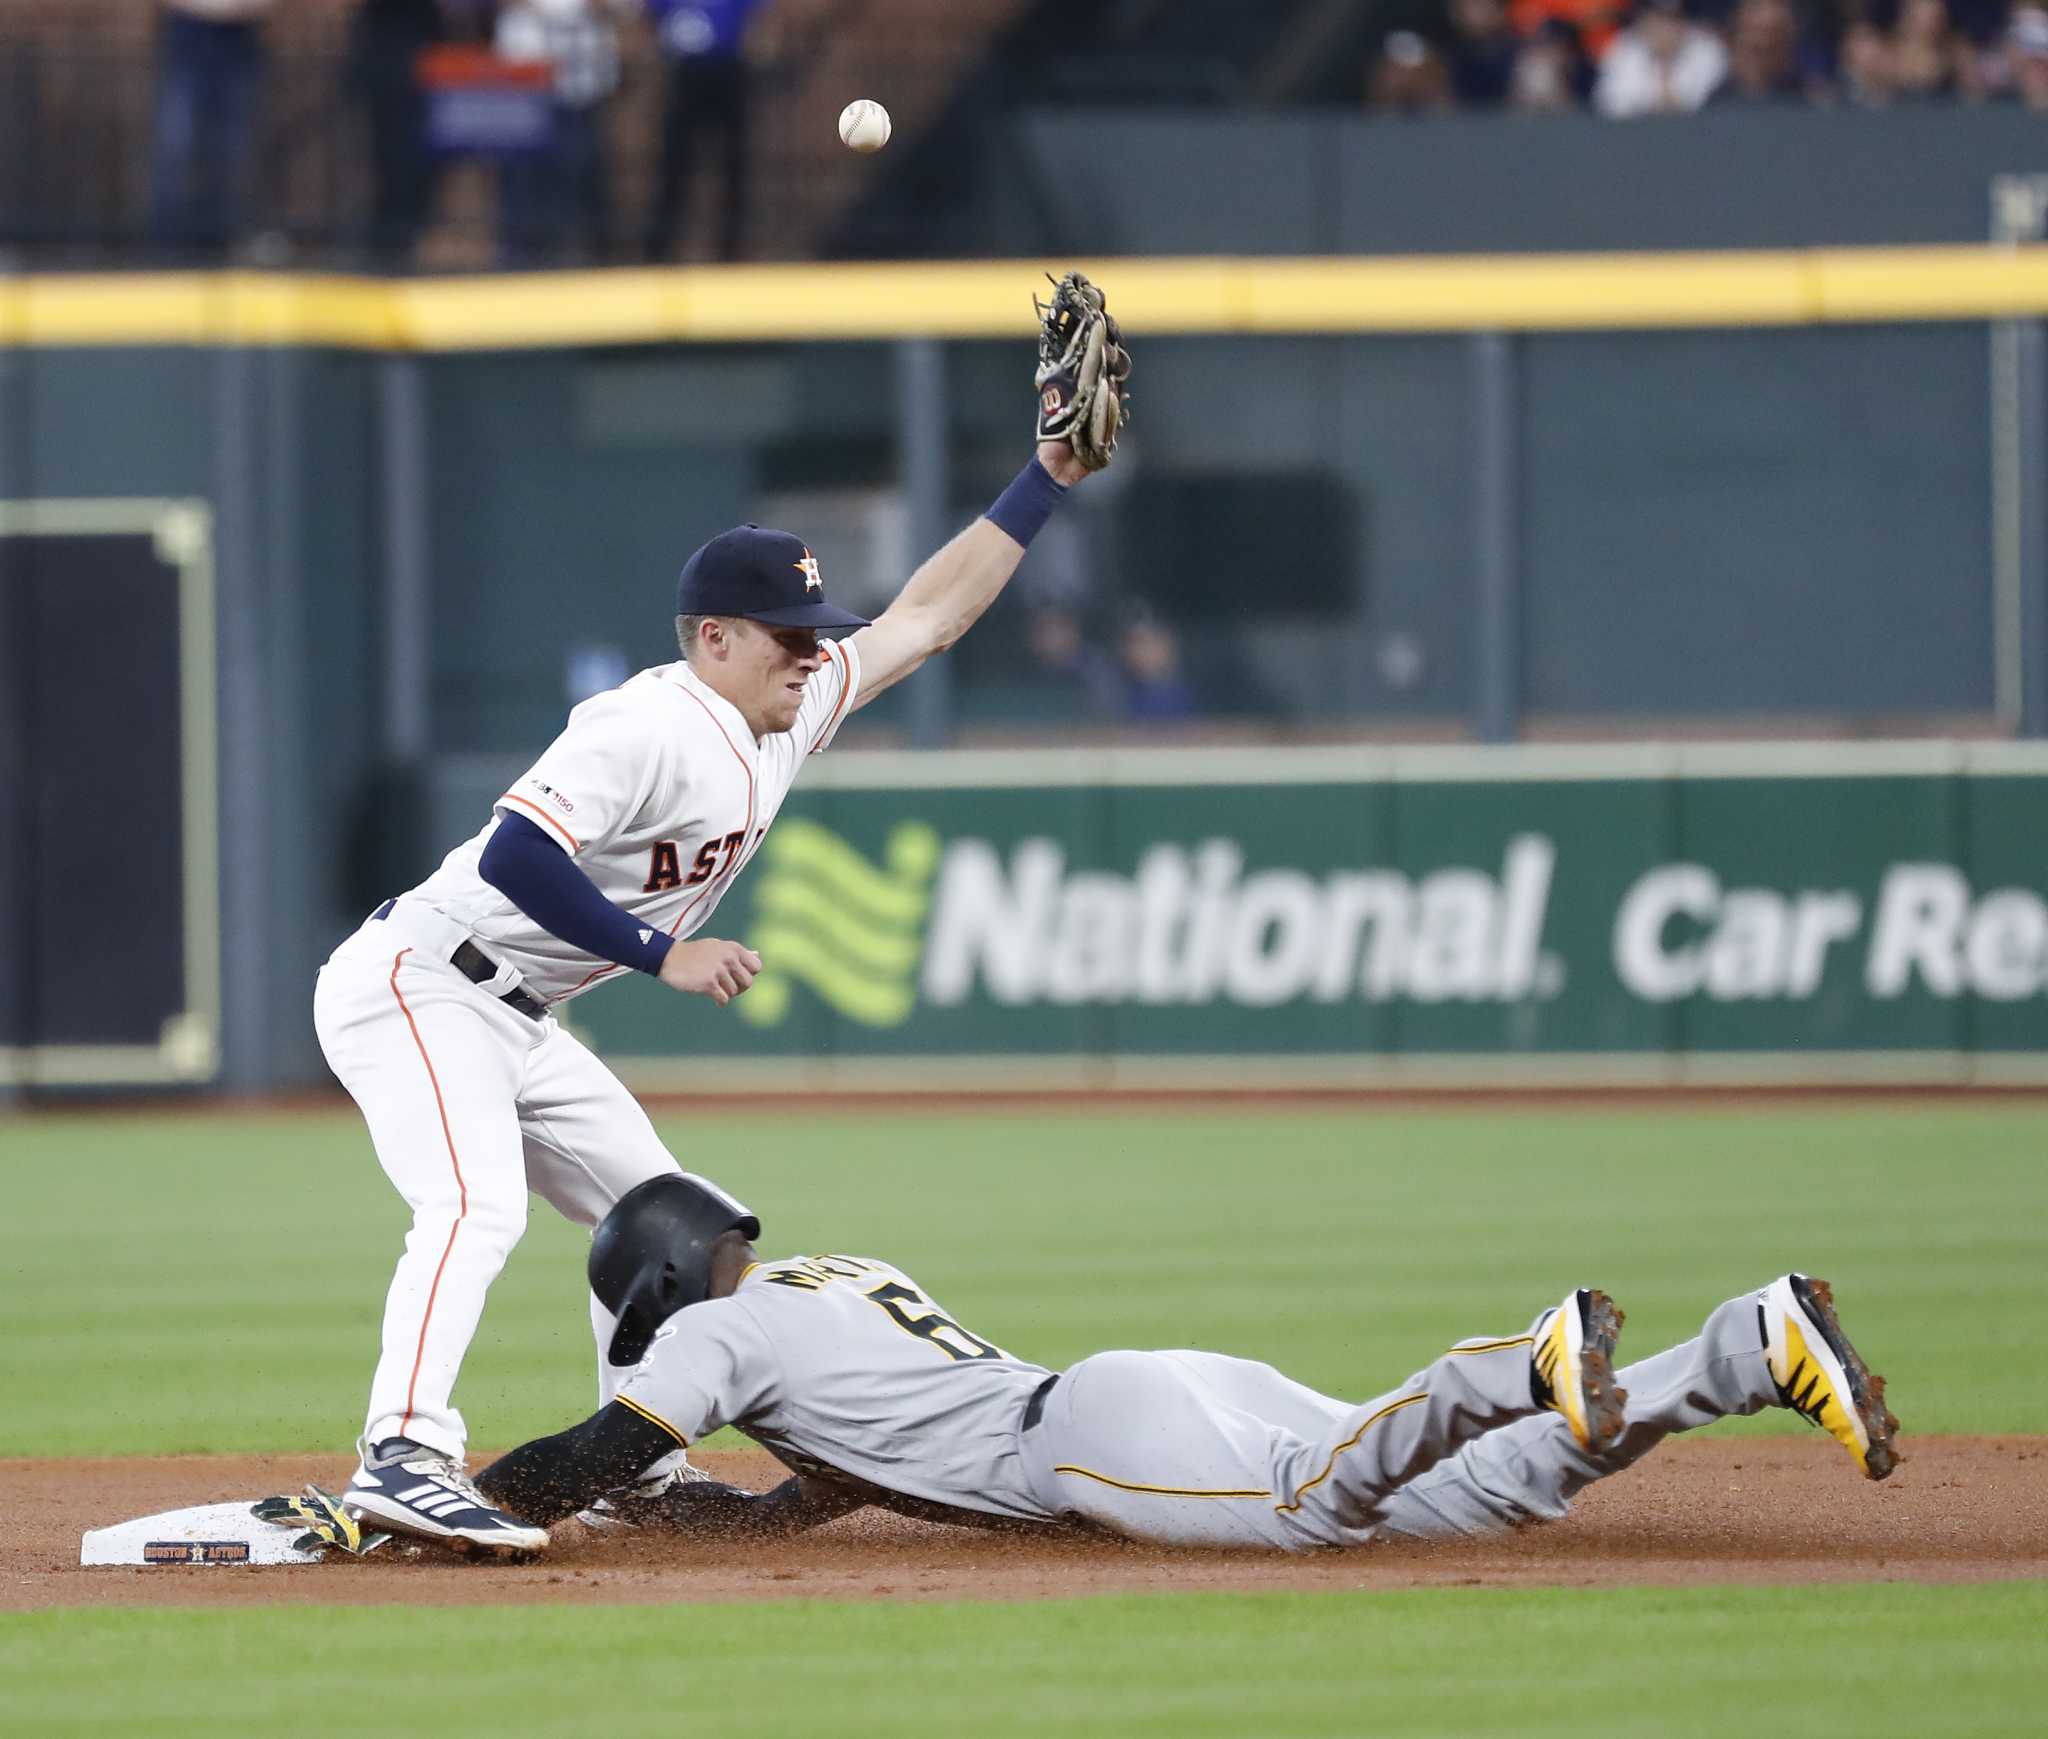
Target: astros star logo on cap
{"type": "Point", "coordinates": [747, 572]}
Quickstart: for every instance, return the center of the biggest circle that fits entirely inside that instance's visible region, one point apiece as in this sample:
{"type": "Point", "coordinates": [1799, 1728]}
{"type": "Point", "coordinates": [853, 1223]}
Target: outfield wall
{"type": "Point", "coordinates": [1568, 493]}
{"type": "Point", "coordinates": [1770, 913]}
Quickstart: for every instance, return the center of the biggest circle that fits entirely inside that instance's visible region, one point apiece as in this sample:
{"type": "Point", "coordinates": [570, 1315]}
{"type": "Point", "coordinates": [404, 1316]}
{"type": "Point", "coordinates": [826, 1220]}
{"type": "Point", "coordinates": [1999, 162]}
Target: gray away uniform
{"type": "Point", "coordinates": [844, 1365]}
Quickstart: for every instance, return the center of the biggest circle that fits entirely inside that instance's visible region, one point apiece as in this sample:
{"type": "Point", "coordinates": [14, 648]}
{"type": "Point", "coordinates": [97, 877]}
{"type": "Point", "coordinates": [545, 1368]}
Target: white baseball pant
{"type": "Point", "coordinates": [470, 1104]}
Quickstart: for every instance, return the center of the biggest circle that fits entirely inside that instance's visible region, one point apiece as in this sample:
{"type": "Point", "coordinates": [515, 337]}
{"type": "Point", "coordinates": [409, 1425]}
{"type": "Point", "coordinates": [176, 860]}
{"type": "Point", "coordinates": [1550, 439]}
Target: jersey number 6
{"type": "Point", "coordinates": [916, 1314]}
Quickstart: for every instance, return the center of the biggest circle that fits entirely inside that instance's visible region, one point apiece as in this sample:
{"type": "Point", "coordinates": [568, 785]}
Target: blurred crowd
{"type": "Point", "coordinates": [532, 89]}
{"type": "Point", "coordinates": [1127, 669]}
{"type": "Point", "coordinates": [1631, 58]}
{"type": "Point", "coordinates": [523, 83]}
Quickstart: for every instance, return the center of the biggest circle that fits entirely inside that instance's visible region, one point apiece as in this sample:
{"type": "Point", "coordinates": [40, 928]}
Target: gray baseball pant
{"type": "Point", "coordinates": [1201, 1449]}
{"type": "Point", "coordinates": [1531, 1471]}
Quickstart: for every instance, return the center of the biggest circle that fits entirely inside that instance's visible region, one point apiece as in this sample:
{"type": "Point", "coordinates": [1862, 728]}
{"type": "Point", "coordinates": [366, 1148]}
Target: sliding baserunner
{"type": "Point", "coordinates": [869, 1392]}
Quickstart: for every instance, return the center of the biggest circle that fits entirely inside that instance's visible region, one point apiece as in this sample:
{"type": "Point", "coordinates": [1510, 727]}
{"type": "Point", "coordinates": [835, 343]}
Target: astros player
{"type": "Point", "coordinates": [610, 855]}
{"type": "Point", "coordinates": [857, 1380]}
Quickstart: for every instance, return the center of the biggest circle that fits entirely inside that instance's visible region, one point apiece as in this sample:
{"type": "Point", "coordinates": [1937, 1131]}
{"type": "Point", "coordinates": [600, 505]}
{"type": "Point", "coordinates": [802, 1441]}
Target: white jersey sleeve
{"type": "Point", "coordinates": [828, 696]}
{"type": "Point", "coordinates": [707, 1366]}
{"type": "Point", "coordinates": [594, 778]}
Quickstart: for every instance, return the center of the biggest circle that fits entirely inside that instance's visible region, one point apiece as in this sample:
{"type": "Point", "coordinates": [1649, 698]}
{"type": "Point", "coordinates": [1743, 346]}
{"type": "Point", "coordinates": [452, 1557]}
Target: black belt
{"type": "Point", "coordinates": [1034, 1409]}
{"type": "Point", "coordinates": [479, 968]}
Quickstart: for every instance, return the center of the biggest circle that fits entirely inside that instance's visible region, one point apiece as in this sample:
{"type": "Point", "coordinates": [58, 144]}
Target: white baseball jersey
{"type": "Point", "coordinates": [843, 1363]}
{"type": "Point", "coordinates": [661, 794]}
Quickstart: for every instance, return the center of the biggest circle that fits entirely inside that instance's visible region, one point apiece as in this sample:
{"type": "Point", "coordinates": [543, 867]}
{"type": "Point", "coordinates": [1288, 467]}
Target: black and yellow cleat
{"type": "Point", "coordinates": [1820, 1375]}
{"type": "Point", "coordinates": [1571, 1367]}
{"type": "Point", "coordinates": [325, 1521]}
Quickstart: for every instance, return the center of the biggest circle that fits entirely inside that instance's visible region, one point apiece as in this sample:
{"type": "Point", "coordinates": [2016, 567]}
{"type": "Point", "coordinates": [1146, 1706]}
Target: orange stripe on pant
{"type": "Point", "coordinates": [462, 1189]}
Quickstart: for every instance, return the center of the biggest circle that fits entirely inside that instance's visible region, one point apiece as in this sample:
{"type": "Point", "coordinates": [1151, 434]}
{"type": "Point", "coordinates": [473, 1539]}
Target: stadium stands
{"type": "Point", "coordinates": [314, 177]}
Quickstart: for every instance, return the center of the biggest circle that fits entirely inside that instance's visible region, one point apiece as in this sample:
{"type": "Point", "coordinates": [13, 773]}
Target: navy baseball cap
{"type": "Point", "coordinates": [765, 576]}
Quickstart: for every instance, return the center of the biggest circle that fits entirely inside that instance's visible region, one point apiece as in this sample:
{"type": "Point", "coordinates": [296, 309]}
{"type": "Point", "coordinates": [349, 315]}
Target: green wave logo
{"type": "Point", "coordinates": [851, 930]}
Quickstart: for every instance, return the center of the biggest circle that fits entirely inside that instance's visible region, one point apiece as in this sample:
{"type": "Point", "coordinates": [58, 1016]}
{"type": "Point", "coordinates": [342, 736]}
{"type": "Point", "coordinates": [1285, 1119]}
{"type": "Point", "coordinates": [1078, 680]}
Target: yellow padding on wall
{"type": "Point", "coordinates": [992, 299]}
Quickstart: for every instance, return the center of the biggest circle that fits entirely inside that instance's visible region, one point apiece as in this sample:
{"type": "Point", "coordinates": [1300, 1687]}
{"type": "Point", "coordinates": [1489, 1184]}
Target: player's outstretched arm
{"type": "Point", "coordinates": [949, 593]}
{"type": "Point", "coordinates": [1082, 404]}
{"type": "Point", "coordinates": [552, 1477]}
{"type": "Point", "coordinates": [703, 1509]}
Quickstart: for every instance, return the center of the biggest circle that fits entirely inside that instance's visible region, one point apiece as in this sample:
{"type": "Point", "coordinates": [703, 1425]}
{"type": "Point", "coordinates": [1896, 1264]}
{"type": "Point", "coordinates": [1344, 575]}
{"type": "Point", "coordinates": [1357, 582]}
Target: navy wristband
{"type": "Point", "coordinates": [1023, 508]}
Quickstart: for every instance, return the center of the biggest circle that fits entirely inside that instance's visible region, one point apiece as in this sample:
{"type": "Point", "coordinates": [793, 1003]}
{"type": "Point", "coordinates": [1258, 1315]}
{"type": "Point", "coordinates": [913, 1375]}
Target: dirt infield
{"type": "Point", "coordinates": [1753, 1510]}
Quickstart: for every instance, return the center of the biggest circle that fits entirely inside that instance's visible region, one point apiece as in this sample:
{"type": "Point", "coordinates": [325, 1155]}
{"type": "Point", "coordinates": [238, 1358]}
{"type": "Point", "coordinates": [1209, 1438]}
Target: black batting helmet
{"type": "Point", "coordinates": [651, 1256]}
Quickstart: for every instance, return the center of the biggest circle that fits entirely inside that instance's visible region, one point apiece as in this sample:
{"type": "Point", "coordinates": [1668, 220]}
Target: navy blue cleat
{"type": "Point", "coordinates": [412, 1489]}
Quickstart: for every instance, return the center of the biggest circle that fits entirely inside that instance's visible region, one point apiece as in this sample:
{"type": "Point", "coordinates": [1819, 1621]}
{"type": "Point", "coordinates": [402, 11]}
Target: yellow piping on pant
{"type": "Point", "coordinates": [1155, 1490]}
{"type": "Point", "coordinates": [1497, 1346]}
{"type": "Point", "coordinates": [1350, 1442]}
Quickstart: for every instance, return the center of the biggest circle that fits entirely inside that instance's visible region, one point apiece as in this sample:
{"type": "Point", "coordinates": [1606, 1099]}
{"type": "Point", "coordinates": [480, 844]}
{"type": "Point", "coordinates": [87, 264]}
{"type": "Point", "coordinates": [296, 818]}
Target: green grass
{"type": "Point", "coordinates": [1895, 1658]}
{"type": "Point", "coordinates": [215, 1283]}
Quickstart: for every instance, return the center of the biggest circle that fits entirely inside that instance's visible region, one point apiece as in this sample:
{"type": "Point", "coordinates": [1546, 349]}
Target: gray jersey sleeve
{"type": "Point", "coordinates": [708, 1366]}
{"type": "Point", "coordinates": [866, 1378]}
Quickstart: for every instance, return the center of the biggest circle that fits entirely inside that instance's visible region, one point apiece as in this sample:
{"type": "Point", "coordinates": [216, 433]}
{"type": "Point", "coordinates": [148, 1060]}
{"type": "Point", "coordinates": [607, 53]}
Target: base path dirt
{"type": "Point", "coordinates": [1754, 1510]}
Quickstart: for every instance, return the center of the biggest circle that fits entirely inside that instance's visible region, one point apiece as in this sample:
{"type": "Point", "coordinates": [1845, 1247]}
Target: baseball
{"type": "Point", "coordinates": [864, 125]}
